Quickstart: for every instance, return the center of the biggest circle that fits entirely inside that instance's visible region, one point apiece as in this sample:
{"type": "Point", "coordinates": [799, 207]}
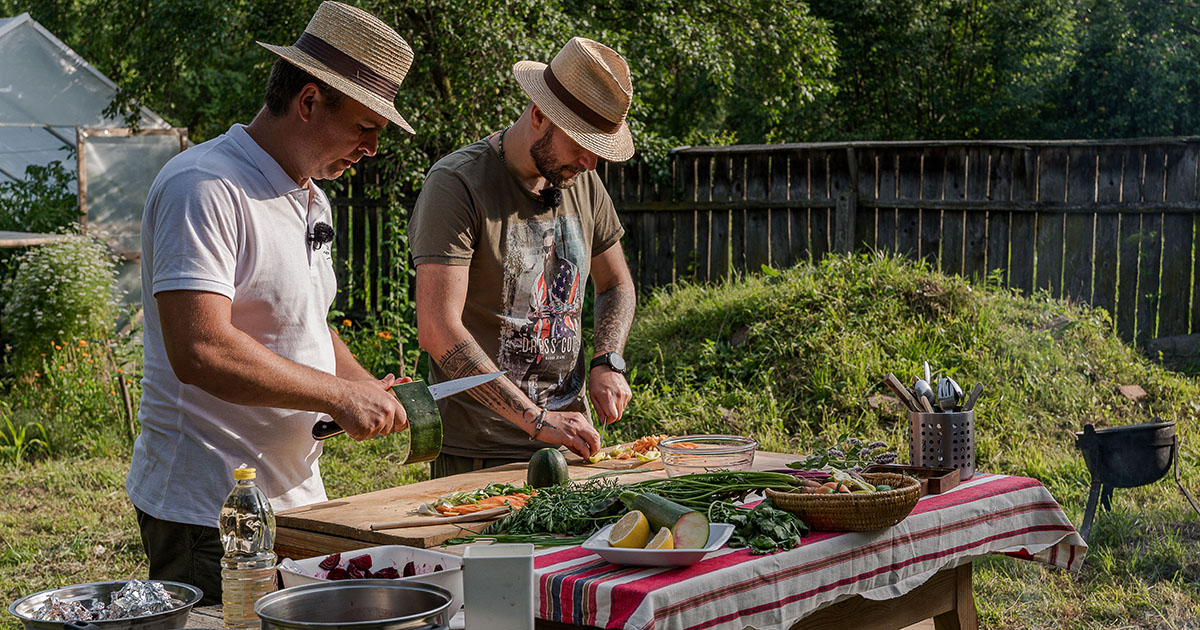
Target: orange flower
{"type": "Point", "coordinates": [58, 347]}
{"type": "Point", "coordinates": [62, 367]}
{"type": "Point", "coordinates": [346, 322]}
{"type": "Point", "coordinates": [384, 334]}
{"type": "Point", "coordinates": [85, 355]}
{"type": "Point", "coordinates": [120, 371]}
{"type": "Point", "coordinates": [37, 374]}
{"type": "Point", "coordinates": [43, 354]}
{"type": "Point", "coordinates": [83, 343]}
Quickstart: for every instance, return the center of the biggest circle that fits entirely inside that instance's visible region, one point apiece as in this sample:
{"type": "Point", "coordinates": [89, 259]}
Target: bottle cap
{"type": "Point", "coordinates": [242, 474]}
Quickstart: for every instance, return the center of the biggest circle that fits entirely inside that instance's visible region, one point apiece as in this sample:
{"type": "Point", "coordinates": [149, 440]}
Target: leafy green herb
{"type": "Point", "coordinates": [764, 529]}
{"type": "Point", "coordinates": [564, 510]}
{"type": "Point", "coordinates": [471, 496]}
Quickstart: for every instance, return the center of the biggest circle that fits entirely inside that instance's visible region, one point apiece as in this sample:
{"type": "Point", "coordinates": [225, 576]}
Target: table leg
{"type": "Point", "coordinates": [963, 617]}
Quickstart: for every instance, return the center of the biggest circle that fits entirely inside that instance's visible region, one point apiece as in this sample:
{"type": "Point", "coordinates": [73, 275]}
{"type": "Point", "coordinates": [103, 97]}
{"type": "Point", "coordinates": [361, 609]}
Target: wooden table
{"type": "Point", "coordinates": [946, 597]}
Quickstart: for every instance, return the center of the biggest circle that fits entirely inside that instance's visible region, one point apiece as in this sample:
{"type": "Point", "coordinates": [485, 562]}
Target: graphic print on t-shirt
{"type": "Point", "coordinates": [543, 296]}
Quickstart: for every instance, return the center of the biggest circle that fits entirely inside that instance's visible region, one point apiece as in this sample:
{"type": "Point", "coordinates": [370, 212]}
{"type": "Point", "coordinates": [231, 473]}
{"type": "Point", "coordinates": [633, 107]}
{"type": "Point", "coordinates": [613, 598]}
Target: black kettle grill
{"type": "Point", "coordinates": [1127, 457]}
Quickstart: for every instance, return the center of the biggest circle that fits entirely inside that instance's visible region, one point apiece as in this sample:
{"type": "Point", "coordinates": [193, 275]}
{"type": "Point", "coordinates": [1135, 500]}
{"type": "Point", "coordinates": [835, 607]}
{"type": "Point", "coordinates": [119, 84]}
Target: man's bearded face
{"type": "Point", "coordinates": [548, 163]}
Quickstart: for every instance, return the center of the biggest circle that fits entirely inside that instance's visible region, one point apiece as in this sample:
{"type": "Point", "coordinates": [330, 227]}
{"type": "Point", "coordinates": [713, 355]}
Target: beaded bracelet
{"type": "Point", "coordinates": [541, 421]}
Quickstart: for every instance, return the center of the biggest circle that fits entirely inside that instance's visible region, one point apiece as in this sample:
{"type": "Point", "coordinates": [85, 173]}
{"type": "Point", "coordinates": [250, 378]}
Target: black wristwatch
{"type": "Point", "coordinates": [610, 359]}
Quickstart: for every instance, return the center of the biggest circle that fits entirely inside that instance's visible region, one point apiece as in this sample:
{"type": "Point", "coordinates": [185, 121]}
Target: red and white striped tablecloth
{"type": "Point", "coordinates": [732, 589]}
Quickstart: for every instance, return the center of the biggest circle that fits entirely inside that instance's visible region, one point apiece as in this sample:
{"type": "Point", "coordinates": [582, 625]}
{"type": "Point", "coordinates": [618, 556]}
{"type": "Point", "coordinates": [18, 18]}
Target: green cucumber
{"type": "Point", "coordinates": [424, 421]}
{"type": "Point", "coordinates": [547, 468]}
{"type": "Point", "coordinates": [688, 527]}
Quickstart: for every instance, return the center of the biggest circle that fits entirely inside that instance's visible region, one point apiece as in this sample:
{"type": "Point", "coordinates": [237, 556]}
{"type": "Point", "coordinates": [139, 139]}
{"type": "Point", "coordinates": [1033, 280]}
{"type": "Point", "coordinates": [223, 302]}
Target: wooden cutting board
{"type": "Point", "coordinates": [344, 524]}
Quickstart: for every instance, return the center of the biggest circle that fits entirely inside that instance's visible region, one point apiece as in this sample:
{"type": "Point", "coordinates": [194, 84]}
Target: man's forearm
{"type": "Point", "coordinates": [347, 366]}
{"type": "Point", "coordinates": [613, 319]}
{"type": "Point", "coordinates": [465, 358]}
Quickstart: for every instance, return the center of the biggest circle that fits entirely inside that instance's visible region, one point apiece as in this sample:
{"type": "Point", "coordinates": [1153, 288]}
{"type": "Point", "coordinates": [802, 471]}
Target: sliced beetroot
{"type": "Point", "coordinates": [338, 573]}
{"type": "Point", "coordinates": [363, 562]}
{"type": "Point", "coordinates": [410, 569]}
{"type": "Point", "coordinates": [331, 562]}
{"type": "Point", "coordinates": [437, 567]}
{"type": "Point", "coordinates": [355, 572]}
{"type": "Point", "coordinates": [387, 573]}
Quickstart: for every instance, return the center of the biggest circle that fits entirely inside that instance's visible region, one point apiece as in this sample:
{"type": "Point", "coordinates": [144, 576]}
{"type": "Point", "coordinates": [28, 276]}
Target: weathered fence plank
{"type": "Point", "coordinates": [704, 171]}
{"type": "Point", "coordinates": [1175, 279]}
{"type": "Point", "coordinates": [781, 254]}
{"type": "Point", "coordinates": [1023, 224]}
{"type": "Point", "coordinates": [1151, 246]}
{"type": "Point", "coordinates": [908, 187]}
{"type": "Point", "coordinates": [975, 223]}
{"type": "Point", "coordinates": [864, 223]}
{"type": "Point", "coordinates": [758, 220]}
{"type": "Point", "coordinates": [1052, 174]}
{"type": "Point", "coordinates": [798, 216]}
{"type": "Point", "coordinates": [933, 171]}
{"type": "Point", "coordinates": [1000, 183]}
{"type": "Point", "coordinates": [685, 222]}
{"type": "Point", "coordinates": [1104, 266]}
{"type": "Point", "coordinates": [1079, 229]}
{"type": "Point", "coordinates": [885, 217]}
{"type": "Point", "coordinates": [820, 219]}
{"type": "Point", "coordinates": [1129, 263]}
{"type": "Point", "coordinates": [718, 263]}
{"type": "Point", "coordinates": [954, 189]}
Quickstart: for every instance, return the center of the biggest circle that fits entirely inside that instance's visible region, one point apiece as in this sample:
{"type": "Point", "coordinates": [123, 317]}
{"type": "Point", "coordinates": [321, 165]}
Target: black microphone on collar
{"type": "Point", "coordinates": [551, 196]}
{"type": "Point", "coordinates": [320, 234]}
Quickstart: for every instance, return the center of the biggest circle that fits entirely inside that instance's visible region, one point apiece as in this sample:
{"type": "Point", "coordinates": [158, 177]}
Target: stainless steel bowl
{"type": "Point", "coordinates": [356, 605]}
{"type": "Point", "coordinates": [25, 607]}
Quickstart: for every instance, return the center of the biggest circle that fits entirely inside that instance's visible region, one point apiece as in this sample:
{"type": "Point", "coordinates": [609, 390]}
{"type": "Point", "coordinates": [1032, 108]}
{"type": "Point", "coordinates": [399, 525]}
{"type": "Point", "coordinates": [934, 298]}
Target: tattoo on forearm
{"type": "Point", "coordinates": [614, 316]}
{"type": "Point", "coordinates": [466, 358]}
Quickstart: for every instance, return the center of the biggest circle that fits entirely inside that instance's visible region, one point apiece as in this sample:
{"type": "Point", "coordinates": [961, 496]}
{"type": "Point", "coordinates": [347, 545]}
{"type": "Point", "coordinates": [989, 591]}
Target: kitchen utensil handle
{"type": "Point", "coordinates": [973, 396]}
{"type": "Point", "coordinates": [900, 391]}
{"type": "Point", "coordinates": [326, 429]}
{"type": "Point", "coordinates": [481, 515]}
{"type": "Point", "coordinates": [926, 404]}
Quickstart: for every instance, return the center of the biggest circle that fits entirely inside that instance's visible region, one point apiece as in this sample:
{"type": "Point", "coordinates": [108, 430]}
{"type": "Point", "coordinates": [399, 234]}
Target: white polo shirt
{"type": "Point", "coordinates": [223, 217]}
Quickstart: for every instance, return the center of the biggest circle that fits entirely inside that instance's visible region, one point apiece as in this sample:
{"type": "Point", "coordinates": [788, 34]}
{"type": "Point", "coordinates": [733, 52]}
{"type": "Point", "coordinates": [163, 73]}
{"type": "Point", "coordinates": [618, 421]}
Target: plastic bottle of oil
{"type": "Point", "coordinates": [247, 527]}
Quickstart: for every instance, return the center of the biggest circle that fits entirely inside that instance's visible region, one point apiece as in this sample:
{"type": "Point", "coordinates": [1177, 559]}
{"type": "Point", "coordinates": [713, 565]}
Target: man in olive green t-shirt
{"type": "Point", "coordinates": [505, 234]}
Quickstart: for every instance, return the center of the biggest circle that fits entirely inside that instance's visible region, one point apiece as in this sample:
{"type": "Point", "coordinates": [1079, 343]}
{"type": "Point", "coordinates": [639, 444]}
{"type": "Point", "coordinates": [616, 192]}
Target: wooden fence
{"type": "Point", "coordinates": [1111, 223]}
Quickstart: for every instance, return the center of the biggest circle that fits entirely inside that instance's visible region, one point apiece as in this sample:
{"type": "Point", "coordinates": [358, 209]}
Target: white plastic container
{"type": "Point", "coordinates": [498, 587]}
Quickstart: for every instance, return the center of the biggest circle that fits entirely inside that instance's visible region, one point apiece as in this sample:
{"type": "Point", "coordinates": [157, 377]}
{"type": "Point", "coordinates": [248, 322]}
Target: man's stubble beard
{"type": "Point", "coordinates": [559, 175]}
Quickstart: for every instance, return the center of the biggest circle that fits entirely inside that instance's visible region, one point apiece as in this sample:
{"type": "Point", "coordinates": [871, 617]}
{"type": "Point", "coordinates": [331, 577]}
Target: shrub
{"type": "Point", "coordinates": [61, 291]}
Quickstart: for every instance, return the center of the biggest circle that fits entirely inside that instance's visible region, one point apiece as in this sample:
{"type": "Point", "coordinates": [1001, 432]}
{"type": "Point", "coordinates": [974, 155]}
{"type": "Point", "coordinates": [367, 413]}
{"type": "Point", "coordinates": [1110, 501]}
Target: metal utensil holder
{"type": "Point", "coordinates": [944, 440]}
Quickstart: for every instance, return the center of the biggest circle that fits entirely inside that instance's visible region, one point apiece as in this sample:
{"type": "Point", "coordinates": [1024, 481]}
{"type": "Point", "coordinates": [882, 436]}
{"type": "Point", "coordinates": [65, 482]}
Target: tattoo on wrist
{"type": "Point", "coordinates": [466, 358]}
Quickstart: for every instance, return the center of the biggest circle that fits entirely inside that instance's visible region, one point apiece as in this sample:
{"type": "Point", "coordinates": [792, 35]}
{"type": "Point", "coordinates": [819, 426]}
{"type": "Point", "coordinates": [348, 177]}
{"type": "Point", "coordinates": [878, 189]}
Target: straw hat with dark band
{"type": "Point", "coordinates": [356, 54]}
{"type": "Point", "coordinates": [585, 91]}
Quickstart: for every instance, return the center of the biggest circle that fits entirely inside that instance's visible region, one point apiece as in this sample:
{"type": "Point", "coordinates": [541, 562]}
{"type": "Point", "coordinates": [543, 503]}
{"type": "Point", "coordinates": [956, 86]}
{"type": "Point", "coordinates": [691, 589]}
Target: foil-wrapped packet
{"type": "Point", "coordinates": [135, 599]}
{"type": "Point", "coordinates": [138, 599]}
{"type": "Point", "coordinates": [56, 609]}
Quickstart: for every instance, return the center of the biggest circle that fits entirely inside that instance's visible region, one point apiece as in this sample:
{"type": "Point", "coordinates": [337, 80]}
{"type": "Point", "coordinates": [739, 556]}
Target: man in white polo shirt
{"type": "Point", "coordinates": [239, 360]}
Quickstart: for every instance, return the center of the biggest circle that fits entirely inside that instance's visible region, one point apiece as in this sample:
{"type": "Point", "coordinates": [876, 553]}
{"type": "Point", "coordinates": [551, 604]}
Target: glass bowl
{"type": "Point", "coordinates": [688, 454]}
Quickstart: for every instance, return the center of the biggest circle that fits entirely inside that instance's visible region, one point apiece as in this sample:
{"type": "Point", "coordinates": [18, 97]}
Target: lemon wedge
{"type": "Point", "coordinates": [631, 532]}
{"type": "Point", "coordinates": [648, 457]}
{"type": "Point", "coordinates": [662, 540]}
{"type": "Point", "coordinates": [598, 457]}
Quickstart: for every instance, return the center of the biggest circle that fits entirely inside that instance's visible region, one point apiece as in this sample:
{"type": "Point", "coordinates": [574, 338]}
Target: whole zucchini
{"type": "Point", "coordinates": [688, 527]}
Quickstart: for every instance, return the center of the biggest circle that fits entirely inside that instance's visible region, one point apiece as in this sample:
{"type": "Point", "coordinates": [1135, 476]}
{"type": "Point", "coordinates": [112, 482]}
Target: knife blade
{"type": "Point", "coordinates": [450, 388]}
{"type": "Point", "coordinates": [326, 429]}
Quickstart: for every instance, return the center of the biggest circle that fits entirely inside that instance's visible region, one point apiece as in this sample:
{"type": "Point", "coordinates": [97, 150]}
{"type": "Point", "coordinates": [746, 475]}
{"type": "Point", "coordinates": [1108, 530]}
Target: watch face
{"type": "Point", "coordinates": [616, 362]}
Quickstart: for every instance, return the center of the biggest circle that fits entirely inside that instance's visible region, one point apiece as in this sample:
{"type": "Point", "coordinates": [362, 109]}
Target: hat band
{"type": "Point", "coordinates": [352, 69]}
{"type": "Point", "coordinates": [589, 115]}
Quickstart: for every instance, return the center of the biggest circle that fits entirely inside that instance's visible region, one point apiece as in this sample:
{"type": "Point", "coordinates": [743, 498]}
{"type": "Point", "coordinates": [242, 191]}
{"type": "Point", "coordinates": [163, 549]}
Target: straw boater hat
{"type": "Point", "coordinates": [586, 92]}
{"type": "Point", "coordinates": [355, 53]}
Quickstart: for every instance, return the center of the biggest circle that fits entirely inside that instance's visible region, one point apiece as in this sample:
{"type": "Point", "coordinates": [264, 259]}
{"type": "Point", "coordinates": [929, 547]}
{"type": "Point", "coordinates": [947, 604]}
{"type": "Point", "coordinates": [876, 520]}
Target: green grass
{"type": "Point", "coordinates": [792, 359]}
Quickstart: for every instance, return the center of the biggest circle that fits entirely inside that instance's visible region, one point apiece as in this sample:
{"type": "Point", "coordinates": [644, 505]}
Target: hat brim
{"type": "Point", "coordinates": [614, 147]}
{"type": "Point", "coordinates": [368, 99]}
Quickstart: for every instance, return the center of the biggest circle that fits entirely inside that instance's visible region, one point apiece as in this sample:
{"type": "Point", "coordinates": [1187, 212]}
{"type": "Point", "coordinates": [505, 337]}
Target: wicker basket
{"type": "Point", "coordinates": [857, 511]}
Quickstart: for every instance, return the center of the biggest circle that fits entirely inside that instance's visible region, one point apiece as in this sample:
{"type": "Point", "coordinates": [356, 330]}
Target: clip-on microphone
{"type": "Point", "coordinates": [321, 233]}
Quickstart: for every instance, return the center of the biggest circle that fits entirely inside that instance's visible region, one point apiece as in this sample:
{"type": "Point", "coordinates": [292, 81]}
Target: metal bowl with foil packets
{"type": "Point", "coordinates": [121, 605]}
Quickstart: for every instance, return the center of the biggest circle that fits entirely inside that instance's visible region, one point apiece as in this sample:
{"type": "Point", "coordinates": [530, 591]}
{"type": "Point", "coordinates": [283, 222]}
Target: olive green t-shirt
{"type": "Point", "coordinates": [529, 265]}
